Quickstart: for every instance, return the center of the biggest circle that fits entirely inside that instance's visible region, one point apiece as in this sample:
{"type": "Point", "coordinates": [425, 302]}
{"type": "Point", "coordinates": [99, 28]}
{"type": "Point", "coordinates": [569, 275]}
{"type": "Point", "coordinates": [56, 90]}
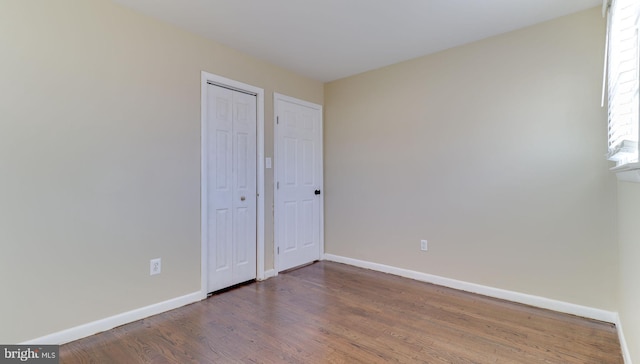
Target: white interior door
{"type": "Point", "coordinates": [298, 182]}
{"type": "Point", "coordinates": [231, 200]}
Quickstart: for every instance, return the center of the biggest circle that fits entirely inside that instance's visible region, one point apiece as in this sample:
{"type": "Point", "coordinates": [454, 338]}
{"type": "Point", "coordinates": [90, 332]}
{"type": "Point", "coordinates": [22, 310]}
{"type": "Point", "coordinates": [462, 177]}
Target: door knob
{"type": "Point", "coordinates": [242, 198]}
{"type": "Point", "coordinates": [317, 192]}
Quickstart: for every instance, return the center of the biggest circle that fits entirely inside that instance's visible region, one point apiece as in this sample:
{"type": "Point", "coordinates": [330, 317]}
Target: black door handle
{"type": "Point", "coordinates": [317, 192]}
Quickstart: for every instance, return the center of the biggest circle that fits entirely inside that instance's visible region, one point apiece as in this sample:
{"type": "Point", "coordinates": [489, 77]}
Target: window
{"type": "Point", "coordinates": [623, 79]}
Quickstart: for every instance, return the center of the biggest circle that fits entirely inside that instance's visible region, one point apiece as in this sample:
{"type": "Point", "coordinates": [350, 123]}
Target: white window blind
{"type": "Point", "coordinates": [623, 81]}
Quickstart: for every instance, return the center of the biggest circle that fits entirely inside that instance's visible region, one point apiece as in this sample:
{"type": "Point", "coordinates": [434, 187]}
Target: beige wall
{"type": "Point", "coordinates": [100, 159]}
{"type": "Point", "coordinates": [629, 228]}
{"type": "Point", "coordinates": [493, 151]}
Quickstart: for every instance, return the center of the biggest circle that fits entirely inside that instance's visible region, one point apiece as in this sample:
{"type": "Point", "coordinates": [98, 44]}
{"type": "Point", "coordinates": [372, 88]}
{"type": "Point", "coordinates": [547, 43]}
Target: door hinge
{"type": "Point", "coordinates": [277, 120]}
{"type": "Point", "coordinates": [278, 250]}
{"type": "Point", "coordinates": [278, 185]}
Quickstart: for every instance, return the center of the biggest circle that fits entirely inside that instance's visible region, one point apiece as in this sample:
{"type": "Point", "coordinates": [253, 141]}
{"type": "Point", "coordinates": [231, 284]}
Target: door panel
{"type": "Point", "coordinates": [298, 176]}
{"type": "Point", "coordinates": [290, 226]}
{"type": "Point", "coordinates": [220, 129]}
{"type": "Point", "coordinates": [223, 240]}
{"type": "Point", "coordinates": [245, 197]}
{"type": "Point", "coordinates": [231, 201]}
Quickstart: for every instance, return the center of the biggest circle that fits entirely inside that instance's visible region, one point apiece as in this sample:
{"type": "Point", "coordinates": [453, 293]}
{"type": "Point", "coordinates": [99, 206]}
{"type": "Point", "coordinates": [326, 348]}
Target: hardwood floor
{"type": "Point", "coordinates": [334, 313]}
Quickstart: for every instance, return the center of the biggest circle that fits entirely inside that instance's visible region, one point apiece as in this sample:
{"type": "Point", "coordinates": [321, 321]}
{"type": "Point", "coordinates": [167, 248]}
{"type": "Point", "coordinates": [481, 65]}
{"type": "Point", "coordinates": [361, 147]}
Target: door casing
{"type": "Point", "coordinates": [206, 78]}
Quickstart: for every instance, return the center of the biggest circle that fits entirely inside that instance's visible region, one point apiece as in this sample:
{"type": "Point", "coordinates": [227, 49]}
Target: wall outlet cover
{"type": "Point", "coordinates": [155, 266]}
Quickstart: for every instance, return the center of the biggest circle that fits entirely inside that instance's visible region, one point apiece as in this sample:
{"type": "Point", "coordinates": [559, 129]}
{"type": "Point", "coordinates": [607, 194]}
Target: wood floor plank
{"type": "Point", "coordinates": [334, 313]}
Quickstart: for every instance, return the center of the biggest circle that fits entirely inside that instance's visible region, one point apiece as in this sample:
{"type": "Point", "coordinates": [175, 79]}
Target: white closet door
{"type": "Point", "coordinates": [231, 158]}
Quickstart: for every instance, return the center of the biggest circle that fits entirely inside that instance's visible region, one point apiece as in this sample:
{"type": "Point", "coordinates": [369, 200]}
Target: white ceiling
{"type": "Point", "coordinates": [330, 39]}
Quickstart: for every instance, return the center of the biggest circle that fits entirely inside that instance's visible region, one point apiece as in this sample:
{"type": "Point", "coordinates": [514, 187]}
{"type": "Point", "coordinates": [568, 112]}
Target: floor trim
{"type": "Point", "coordinates": [91, 328]}
{"type": "Point", "coordinates": [527, 299]}
{"type": "Point", "coordinates": [269, 273]}
{"type": "Point", "coordinates": [626, 355]}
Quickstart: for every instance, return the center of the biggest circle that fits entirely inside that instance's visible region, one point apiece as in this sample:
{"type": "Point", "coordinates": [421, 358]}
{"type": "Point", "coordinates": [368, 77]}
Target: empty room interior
{"type": "Point", "coordinates": [154, 152]}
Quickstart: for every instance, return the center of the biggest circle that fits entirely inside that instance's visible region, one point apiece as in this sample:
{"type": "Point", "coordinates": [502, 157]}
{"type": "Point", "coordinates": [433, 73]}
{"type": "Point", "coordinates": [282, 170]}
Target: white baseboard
{"type": "Point", "coordinates": [626, 355]}
{"type": "Point", "coordinates": [527, 299]}
{"type": "Point", "coordinates": [269, 273]}
{"type": "Point", "coordinates": [91, 328]}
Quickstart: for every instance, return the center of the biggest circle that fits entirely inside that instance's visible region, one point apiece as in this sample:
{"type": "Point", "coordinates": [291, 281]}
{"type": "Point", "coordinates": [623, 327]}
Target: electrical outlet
{"type": "Point", "coordinates": [423, 245]}
{"type": "Point", "coordinates": [155, 266]}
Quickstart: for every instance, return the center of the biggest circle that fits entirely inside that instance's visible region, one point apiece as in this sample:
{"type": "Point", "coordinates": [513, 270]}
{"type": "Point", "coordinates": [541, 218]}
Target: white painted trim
{"type": "Point", "coordinates": [632, 175]}
{"type": "Point", "coordinates": [626, 355]}
{"type": "Point", "coordinates": [269, 274]}
{"type": "Point", "coordinates": [527, 299]}
{"type": "Point", "coordinates": [260, 208]}
{"type": "Point", "coordinates": [321, 182]}
{"type": "Point", "coordinates": [205, 77]}
{"type": "Point", "coordinates": [94, 327]}
{"type": "Point", "coordinates": [629, 172]}
{"type": "Point", "coordinates": [276, 98]}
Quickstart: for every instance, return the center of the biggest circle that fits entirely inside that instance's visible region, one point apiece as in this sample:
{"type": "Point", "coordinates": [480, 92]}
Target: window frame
{"type": "Point", "coordinates": [622, 76]}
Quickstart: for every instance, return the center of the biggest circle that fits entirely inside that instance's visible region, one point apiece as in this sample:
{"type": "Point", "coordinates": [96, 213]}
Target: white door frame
{"type": "Point", "coordinates": [225, 82]}
{"type": "Point", "coordinates": [276, 98]}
